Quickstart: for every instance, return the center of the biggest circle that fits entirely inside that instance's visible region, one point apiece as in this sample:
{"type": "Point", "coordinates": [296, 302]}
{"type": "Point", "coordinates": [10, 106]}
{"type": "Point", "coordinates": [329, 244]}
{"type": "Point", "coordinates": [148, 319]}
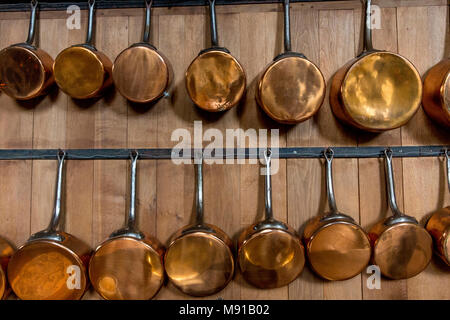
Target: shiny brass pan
{"type": "Point", "coordinates": [378, 90]}
{"type": "Point", "coordinates": [292, 88]}
{"type": "Point", "coordinates": [82, 71]}
{"type": "Point", "coordinates": [25, 70]}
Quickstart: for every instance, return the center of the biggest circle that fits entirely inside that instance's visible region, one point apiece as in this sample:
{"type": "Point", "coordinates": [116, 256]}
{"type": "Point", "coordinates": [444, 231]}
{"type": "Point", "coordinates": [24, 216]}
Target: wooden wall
{"type": "Point", "coordinates": [96, 191]}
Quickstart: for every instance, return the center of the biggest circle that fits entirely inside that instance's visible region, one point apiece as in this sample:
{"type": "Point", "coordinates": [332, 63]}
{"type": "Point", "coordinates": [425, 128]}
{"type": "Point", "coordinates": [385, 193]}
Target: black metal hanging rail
{"type": "Point", "coordinates": [8, 5]}
{"type": "Point", "coordinates": [247, 153]}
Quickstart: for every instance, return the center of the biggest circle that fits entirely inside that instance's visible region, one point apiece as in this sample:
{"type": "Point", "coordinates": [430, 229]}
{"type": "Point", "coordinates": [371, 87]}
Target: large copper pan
{"type": "Point", "coordinates": [378, 90]}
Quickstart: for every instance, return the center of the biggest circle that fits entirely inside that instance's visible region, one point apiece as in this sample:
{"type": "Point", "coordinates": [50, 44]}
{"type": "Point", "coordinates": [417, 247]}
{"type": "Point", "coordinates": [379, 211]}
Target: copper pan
{"type": "Point", "coordinates": [270, 253]}
{"type": "Point", "coordinates": [436, 93]}
{"type": "Point", "coordinates": [141, 73]}
{"type": "Point", "coordinates": [337, 247]}
{"type": "Point", "coordinates": [215, 80]}
{"type": "Point", "coordinates": [376, 91]}
{"type": "Point", "coordinates": [199, 260]}
{"type": "Point", "coordinates": [6, 251]}
{"type": "Point", "coordinates": [82, 71]}
{"type": "Point", "coordinates": [292, 88]}
{"type": "Point", "coordinates": [439, 225]}
{"type": "Point", "coordinates": [401, 247]}
{"type": "Point", "coordinates": [25, 70]}
{"type": "Point", "coordinates": [129, 265]}
{"type": "Point", "coordinates": [52, 264]}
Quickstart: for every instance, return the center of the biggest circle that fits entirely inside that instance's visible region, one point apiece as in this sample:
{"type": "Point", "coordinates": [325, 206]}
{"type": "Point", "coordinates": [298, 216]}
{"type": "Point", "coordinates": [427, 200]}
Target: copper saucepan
{"type": "Point", "coordinates": [199, 260]}
{"type": "Point", "coordinates": [25, 70]}
{"type": "Point", "coordinates": [215, 80]}
{"type": "Point", "coordinates": [129, 265]}
{"type": "Point", "coordinates": [401, 247]}
{"type": "Point", "coordinates": [439, 225]}
{"type": "Point", "coordinates": [270, 253]}
{"type": "Point", "coordinates": [337, 247]}
{"type": "Point", "coordinates": [6, 251]}
{"type": "Point", "coordinates": [436, 93]}
{"type": "Point", "coordinates": [82, 71]}
{"type": "Point", "coordinates": [378, 90]}
{"type": "Point", "coordinates": [292, 88]}
{"type": "Point", "coordinates": [141, 73]}
{"type": "Point", "coordinates": [51, 265]}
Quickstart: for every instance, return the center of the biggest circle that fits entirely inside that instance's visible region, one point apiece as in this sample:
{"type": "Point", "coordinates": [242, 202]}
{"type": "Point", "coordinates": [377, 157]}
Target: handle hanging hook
{"type": "Point", "coordinates": [148, 20]}
{"type": "Point", "coordinates": [131, 219]}
{"type": "Point", "coordinates": [32, 27]}
{"type": "Point", "coordinates": [54, 222]}
{"type": "Point", "coordinates": [268, 184]}
{"type": "Point", "coordinates": [329, 155]}
{"type": "Point", "coordinates": [390, 184]}
{"type": "Point", "coordinates": [287, 27]}
{"type": "Point", "coordinates": [89, 34]}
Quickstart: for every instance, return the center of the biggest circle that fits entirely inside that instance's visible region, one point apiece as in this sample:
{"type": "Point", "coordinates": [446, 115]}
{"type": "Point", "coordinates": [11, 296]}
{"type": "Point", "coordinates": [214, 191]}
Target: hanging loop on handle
{"type": "Point", "coordinates": [368, 46]}
{"type": "Point", "coordinates": [199, 191]}
{"type": "Point", "coordinates": [148, 20]}
{"type": "Point", "coordinates": [447, 156]}
{"type": "Point", "coordinates": [212, 11]}
{"type": "Point", "coordinates": [89, 34]}
{"type": "Point", "coordinates": [268, 185]}
{"type": "Point", "coordinates": [131, 219]}
{"type": "Point", "coordinates": [391, 185]}
{"type": "Point", "coordinates": [32, 27]}
{"type": "Point", "coordinates": [287, 27]}
{"type": "Point", "coordinates": [329, 155]}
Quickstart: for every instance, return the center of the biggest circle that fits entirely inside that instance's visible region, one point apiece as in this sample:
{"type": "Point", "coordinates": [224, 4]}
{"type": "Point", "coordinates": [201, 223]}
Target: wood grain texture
{"type": "Point", "coordinates": [97, 192]}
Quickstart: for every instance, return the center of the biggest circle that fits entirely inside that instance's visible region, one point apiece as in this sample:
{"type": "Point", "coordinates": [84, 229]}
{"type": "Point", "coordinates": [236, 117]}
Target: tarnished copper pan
{"type": "Point", "coordinates": [401, 247]}
{"type": "Point", "coordinates": [215, 80]}
{"type": "Point", "coordinates": [439, 225]}
{"type": "Point", "coordinates": [199, 260]}
{"type": "Point", "coordinates": [436, 93]}
{"type": "Point", "coordinates": [337, 247]}
{"type": "Point", "coordinates": [6, 251]}
{"type": "Point", "coordinates": [292, 88]}
{"type": "Point", "coordinates": [51, 265]}
{"type": "Point", "coordinates": [378, 90]}
{"type": "Point", "coordinates": [141, 73]}
{"type": "Point", "coordinates": [82, 71]}
{"type": "Point", "coordinates": [26, 71]}
{"type": "Point", "coordinates": [270, 253]}
{"type": "Point", "coordinates": [129, 265]}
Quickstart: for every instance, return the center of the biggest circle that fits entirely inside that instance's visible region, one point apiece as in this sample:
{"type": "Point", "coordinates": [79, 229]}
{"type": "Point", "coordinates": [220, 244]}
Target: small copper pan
{"type": "Point", "coordinates": [141, 73]}
{"type": "Point", "coordinates": [439, 225]}
{"type": "Point", "coordinates": [270, 253]}
{"type": "Point", "coordinates": [82, 71]}
{"type": "Point", "coordinates": [199, 260]}
{"type": "Point", "coordinates": [51, 265]}
{"type": "Point", "coordinates": [215, 80]}
{"type": "Point", "coordinates": [378, 90]}
{"type": "Point", "coordinates": [6, 251]}
{"type": "Point", "coordinates": [401, 247]}
{"type": "Point", "coordinates": [436, 93]}
{"type": "Point", "coordinates": [26, 71]}
{"type": "Point", "coordinates": [292, 88]}
{"type": "Point", "coordinates": [129, 265]}
{"type": "Point", "coordinates": [337, 247]}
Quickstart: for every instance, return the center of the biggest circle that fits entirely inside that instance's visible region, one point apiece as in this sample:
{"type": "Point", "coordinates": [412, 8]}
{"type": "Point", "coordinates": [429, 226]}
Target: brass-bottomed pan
{"type": "Point", "coordinates": [215, 80]}
{"type": "Point", "coordinates": [378, 90]}
{"type": "Point", "coordinates": [436, 93]}
{"type": "Point", "coordinates": [6, 251]}
{"type": "Point", "coordinates": [401, 247]}
{"type": "Point", "coordinates": [129, 265]}
{"type": "Point", "coordinates": [141, 73]}
{"type": "Point", "coordinates": [270, 253]}
{"type": "Point", "coordinates": [52, 264]}
{"type": "Point", "coordinates": [25, 70]}
{"type": "Point", "coordinates": [199, 260]}
{"type": "Point", "coordinates": [337, 247]}
{"type": "Point", "coordinates": [82, 71]}
{"type": "Point", "coordinates": [439, 225]}
{"type": "Point", "coordinates": [292, 88]}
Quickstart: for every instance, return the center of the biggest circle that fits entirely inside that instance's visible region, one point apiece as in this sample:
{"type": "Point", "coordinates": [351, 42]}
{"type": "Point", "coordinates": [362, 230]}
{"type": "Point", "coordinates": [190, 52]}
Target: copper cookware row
{"type": "Point", "coordinates": [199, 260]}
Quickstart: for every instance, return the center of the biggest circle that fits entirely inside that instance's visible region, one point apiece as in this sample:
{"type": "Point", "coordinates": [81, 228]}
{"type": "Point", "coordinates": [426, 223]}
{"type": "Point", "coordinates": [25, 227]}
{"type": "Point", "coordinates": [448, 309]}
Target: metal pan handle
{"type": "Point", "coordinates": [287, 27]}
{"type": "Point", "coordinates": [148, 20]}
{"type": "Point", "coordinates": [268, 185]}
{"type": "Point", "coordinates": [213, 25]}
{"type": "Point", "coordinates": [199, 190]}
{"type": "Point", "coordinates": [89, 34]}
{"type": "Point", "coordinates": [368, 46]}
{"type": "Point", "coordinates": [447, 156]}
{"type": "Point", "coordinates": [329, 155]}
{"type": "Point", "coordinates": [32, 27]}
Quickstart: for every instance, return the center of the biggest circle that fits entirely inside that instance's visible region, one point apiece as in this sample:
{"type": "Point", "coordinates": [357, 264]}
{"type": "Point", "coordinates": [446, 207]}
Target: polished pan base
{"type": "Point", "coordinates": [126, 269]}
{"type": "Point", "coordinates": [45, 270]}
{"type": "Point", "coordinates": [6, 251]}
{"type": "Point", "coordinates": [271, 258]}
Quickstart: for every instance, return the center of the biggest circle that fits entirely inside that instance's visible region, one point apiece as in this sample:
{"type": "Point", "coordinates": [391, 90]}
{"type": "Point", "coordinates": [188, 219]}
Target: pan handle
{"type": "Point", "coordinates": [368, 46]}
{"type": "Point", "coordinates": [329, 155]}
{"type": "Point", "coordinates": [148, 20]}
{"type": "Point", "coordinates": [268, 185]}
{"type": "Point", "coordinates": [287, 27]}
{"type": "Point", "coordinates": [213, 25]}
{"type": "Point", "coordinates": [89, 34]}
{"type": "Point", "coordinates": [391, 185]}
{"type": "Point", "coordinates": [447, 156]}
{"type": "Point", "coordinates": [199, 192]}
{"type": "Point", "coordinates": [32, 27]}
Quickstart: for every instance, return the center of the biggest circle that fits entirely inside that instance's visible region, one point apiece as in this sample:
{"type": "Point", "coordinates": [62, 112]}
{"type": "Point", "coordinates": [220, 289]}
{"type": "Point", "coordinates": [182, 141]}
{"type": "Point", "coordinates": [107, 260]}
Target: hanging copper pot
{"type": "Point", "coordinates": [215, 80]}
{"type": "Point", "coordinates": [129, 265]}
{"type": "Point", "coordinates": [52, 264]}
{"type": "Point", "coordinates": [337, 247]}
{"type": "Point", "coordinates": [25, 70]}
{"type": "Point", "coordinates": [6, 251]}
{"type": "Point", "coordinates": [270, 253]}
{"type": "Point", "coordinates": [82, 71]}
{"type": "Point", "coordinates": [141, 73]}
{"type": "Point", "coordinates": [378, 90]}
{"type": "Point", "coordinates": [292, 88]}
{"type": "Point", "coordinates": [401, 247]}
